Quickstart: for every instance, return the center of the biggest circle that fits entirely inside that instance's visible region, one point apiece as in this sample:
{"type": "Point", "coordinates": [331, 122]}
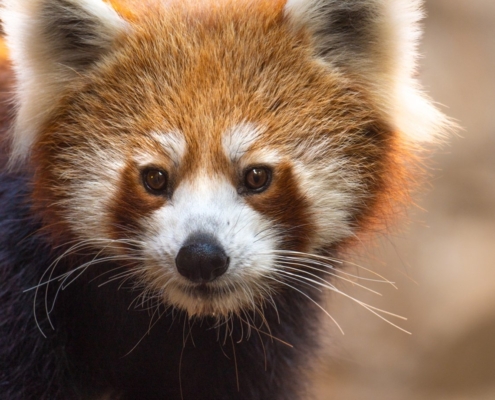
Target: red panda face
{"type": "Point", "coordinates": [203, 155]}
{"type": "Point", "coordinates": [211, 235]}
{"type": "Point", "coordinates": [214, 149]}
{"type": "Point", "coordinates": [204, 152]}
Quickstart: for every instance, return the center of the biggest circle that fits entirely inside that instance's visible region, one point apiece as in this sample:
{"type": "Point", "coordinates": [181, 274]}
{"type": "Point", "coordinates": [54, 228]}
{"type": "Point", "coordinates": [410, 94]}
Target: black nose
{"type": "Point", "coordinates": [201, 259]}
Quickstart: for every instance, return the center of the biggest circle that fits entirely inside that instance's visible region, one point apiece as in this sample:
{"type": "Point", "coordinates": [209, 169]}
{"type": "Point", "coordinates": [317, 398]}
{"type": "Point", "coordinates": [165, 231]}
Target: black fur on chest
{"type": "Point", "coordinates": [105, 342]}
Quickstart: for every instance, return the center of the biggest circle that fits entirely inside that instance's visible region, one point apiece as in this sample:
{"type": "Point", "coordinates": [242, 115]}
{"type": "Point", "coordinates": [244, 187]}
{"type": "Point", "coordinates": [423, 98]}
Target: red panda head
{"type": "Point", "coordinates": [215, 146]}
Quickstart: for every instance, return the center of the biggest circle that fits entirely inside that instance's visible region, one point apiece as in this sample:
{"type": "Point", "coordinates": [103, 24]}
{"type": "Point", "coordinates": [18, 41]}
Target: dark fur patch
{"type": "Point", "coordinates": [31, 366]}
{"type": "Point", "coordinates": [132, 204]}
{"type": "Point", "coordinates": [284, 204]}
{"type": "Point", "coordinates": [73, 33]}
{"type": "Point", "coordinates": [349, 28]}
{"type": "Point", "coordinates": [89, 352]}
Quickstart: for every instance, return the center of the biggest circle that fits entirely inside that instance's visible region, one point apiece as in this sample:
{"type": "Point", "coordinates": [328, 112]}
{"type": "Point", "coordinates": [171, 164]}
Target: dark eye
{"type": "Point", "coordinates": [257, 179]}
{"type": "Point", "coordinates": [155, 180]}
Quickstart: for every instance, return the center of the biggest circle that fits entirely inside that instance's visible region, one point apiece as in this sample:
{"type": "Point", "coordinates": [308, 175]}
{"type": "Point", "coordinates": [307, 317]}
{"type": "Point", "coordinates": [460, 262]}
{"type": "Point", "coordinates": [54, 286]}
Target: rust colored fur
{"type": "Point", "coordinates": [203, 92]}
{"type": "Point", "coordinates": [6, 109]}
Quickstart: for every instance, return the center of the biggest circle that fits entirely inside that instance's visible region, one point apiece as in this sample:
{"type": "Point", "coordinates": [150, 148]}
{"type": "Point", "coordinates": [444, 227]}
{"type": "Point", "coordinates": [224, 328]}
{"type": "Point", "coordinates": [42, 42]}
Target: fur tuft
{"type": "Point", "coordinates": [376, 42]}
{"type": "Point", "coordinates": [51, 42]}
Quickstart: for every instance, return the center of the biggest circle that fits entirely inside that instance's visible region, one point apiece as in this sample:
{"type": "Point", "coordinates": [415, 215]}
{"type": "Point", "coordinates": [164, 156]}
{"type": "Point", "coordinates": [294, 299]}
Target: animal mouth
{"type": "Point", "coordinates": [206, 291]}
{"type": "Point", "coordinates": [205, 299]}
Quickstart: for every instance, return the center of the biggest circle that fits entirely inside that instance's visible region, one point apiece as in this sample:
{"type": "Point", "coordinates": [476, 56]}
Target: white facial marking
{"type": "Point", "coordinates": [95, 193]}
{"type": "Point", "coordinates": [173, 143]}
{"type": "Point", "coordinates": [331, 189]}
{"type": "Point", "coordinates": [237, 140]}
{"type": "Point", "coordinates": [211, 205]}
{"type": "Point", "coordinates": [239, 146]}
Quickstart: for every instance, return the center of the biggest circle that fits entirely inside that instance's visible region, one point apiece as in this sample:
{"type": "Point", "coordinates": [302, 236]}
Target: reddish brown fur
{"type": "Point", "coordinates": [132, 205]}
{"type": "Point", "coordinates": [202, 73]}
{"type": "Point", "coordinates": [6, 109]}
{"type": "Point", "coordinates": [284, 203]}
{"type": "Point", "coordinates": [194, 72]}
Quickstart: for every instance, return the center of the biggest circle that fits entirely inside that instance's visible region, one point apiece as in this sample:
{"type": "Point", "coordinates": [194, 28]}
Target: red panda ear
{"type": "Point", "coordinates": [375, 42]}
{"type": "Point", "coordinates": [50, 42]}
{"type": "Point", "coordinates": [345, 32]}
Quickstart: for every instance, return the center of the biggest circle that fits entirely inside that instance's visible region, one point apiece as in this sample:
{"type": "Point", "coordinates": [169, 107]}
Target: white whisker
{"type": "Point", "coordinates": [310, 299]}
{"type": "Point", "coordinates": [373, 310]}
{"type": "Point", "coordinates": [326, 259]}
{"type": "Point", "coordinates": [285, 263]}
{"type": "Point", "coordinates": [68, 277]}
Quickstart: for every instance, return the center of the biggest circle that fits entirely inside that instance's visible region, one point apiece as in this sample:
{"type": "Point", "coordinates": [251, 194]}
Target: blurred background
{"type": "Point", "coordinates": [443, 262]}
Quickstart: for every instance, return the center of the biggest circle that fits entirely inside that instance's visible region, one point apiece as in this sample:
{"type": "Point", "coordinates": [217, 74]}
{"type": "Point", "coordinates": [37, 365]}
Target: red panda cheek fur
{"type": "Point", "coordinates": [285, 205]}
{"type": "Point", "coordinates": [131, 205]}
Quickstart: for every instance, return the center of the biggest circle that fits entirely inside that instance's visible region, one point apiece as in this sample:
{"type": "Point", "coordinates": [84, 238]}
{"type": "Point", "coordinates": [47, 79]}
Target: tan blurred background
{"type": "Point", "coordinates": [444, 263]}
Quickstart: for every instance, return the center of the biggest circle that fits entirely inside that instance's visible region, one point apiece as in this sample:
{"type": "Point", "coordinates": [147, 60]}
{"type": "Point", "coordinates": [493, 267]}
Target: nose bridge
{"type": "Point", "coordinates": [205, 155]}
{"type": "Point", "coordinates": [207, 200]}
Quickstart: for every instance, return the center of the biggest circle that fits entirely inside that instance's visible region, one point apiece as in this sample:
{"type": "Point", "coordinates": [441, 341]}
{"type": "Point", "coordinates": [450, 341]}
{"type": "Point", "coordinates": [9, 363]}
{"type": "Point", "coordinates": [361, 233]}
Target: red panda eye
{"type": "Point", "coordinates": [257, 179]}
{"type": "Point", "coordinates": [155, 180]}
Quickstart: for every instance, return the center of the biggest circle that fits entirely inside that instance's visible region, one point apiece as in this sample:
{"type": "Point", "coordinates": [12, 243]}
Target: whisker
{"type": "Point", "coordinates": [285, 264]}
{"type": "Point", "coordinates": [332, 267]}
{"type": "Point", "coordinates": [268, 295]}
{"type": "Point", "coordinates": [235, 364]}
{"type": "Point", "coordinates": [121, 275]}
{"type": "Point", "coordinates": [310, 299]}
{"type": "Point", "coordinates": [267, 334]}
{"type": "Point", "coordinates": [373, 310]}
{"type": "Point", "coordinates": [310, 256]}
{"type": "Point", "coordinates": [68, 277]}
{"type": "Point", "coordinates": [142, 337]}
{"type": "Point", "coordinates": [108, 272]}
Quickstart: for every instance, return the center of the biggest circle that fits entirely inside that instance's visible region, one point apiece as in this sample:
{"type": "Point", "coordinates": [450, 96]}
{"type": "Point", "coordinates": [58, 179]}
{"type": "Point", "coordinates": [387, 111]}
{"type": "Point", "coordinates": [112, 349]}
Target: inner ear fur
{"type": "Point", "coordinates": [51, 42]}
{"type": "Point", "coordinates": [78, 32]}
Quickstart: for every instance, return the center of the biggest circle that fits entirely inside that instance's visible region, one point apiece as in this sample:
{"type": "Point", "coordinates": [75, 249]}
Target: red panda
{"type": "Point", "coordinates": [182, 176]}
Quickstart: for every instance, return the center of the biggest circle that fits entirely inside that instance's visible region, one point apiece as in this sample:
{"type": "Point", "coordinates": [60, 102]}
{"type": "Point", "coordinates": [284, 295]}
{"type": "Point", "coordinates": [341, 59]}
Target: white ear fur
{"type": "Point", "coordinates": [376, 41]}
{"type": "Point", "coordinates": [50, 41]}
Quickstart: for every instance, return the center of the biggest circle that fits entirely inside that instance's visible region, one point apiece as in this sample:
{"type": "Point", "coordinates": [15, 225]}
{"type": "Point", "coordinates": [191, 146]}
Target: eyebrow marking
{"type": "Point", "coordinates": [239, 144]}
{"type": "Point", "coordinates": [173, 143]}
{"type": "Point", "coordinates": [237, 140]}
